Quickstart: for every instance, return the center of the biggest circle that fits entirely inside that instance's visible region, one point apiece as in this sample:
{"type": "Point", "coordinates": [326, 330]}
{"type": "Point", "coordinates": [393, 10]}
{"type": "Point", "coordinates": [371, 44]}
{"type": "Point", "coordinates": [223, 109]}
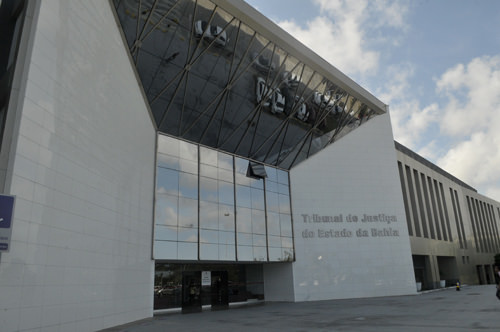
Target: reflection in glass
{"type": "Point", "coordinates": [168, 145]}
{"type": "Point", "coordinates": [243, 196]}
{"type": "Point", "coordinates": [187, 234]}
{"type": "Point", "coordinates": [226, 193]}
{"type": "Point", "coordinates": [209, 215]}
{"type": "Point", "coordinates": [260, 253]}
{"type": "Point", "coordinates": [227, 252]}
{"type": "Point", "coordinates": [188, 151]}
{"type": "Point", "coordinates": [188, 212]}
{"type": "Point", "coordinates": [258, 222]}
{"type": "Point", "coordinates": [226, 217]}
{"type": "Point", "coordinates": [257, 198]}
{"type": "Point", "coordinates": [286, 225]}
{"type": "Point", "coordinates": [165, 250]}
{"type": "Point", "coordinates": [208, 190]}
{"type": "Point", "coordinates": [167, 161]}
{"type": "Point", "coordinates": [244, 239]}
{"type": "Point", "coordinates": [244, 220]}
{"type": "Point", "coordinates": [167, 181]}
{"type": "Point", "coordinates": [209, 251]}
{"type": "Point", "coordinates": [273, 223]}
{"type": "Point", "coordinates": [208, 156]}
{"type": "Point", "coordinates": [284, 204]}
{"type": "Point", "coordinates": [188, 185]}
{"type": "Point", "coordinates": [245, 253]}
{"type": "Point", "coordinates": [186, 250]}
{"type": "Point", "coordinates": [166, 212]}
{"type": "Point", "coordinates": [167, 233]}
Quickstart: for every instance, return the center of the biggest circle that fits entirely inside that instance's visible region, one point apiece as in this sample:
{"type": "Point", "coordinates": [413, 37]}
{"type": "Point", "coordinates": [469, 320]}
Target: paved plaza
{"type": "Point", "coordinates": [474, 308]}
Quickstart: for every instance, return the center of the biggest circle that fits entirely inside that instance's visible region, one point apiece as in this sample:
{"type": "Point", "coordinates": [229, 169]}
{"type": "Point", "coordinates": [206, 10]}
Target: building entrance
{"type": "Point", "coordinates": [191, 291]}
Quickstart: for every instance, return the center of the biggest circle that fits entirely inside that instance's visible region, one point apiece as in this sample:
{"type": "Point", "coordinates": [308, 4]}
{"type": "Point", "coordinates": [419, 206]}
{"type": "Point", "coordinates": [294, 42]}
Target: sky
{"type": "Point", "coordinates": [436, 63]}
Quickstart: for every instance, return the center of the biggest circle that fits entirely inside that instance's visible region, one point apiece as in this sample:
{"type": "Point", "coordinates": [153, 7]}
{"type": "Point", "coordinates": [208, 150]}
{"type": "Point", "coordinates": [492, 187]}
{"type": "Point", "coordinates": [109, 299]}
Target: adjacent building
{"type": "Point", "coordinates": [178, 154]}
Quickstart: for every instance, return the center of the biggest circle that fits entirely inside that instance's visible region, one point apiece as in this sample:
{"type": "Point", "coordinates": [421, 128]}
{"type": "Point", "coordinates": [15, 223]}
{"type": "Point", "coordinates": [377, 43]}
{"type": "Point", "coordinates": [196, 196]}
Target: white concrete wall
{"type": "Point", "coordinates": [356, 175]}
{"type": "Point", "coordinates": [82, 170]}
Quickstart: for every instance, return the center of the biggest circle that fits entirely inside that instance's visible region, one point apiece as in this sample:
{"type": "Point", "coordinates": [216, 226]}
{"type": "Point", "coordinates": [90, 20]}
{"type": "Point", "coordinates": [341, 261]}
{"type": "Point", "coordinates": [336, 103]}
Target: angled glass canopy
{"type": "Point", "coordinates": [212, 79]}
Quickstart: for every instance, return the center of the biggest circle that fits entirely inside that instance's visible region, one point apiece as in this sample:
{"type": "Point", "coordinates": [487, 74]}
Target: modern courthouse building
{"type": "Point", "coordinates": [163, 154]}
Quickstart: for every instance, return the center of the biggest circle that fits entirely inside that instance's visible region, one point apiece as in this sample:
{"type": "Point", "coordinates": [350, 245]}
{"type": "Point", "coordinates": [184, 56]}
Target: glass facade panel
{"type": "Point", "coordinates": [188, 212]}
{"type": "Point", "coordinates": [166, 212]}
{"type": "Point", "coordinates": [209, 216]}
{"type": "Point", "coordinates": [208, 190]}
{"type": "Point", "coordinates": [167, 181]}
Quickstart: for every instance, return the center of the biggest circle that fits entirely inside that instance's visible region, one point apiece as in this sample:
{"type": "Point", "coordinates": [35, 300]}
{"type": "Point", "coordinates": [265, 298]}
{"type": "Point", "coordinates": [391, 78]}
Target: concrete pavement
{"type": "Point", "coordinates": [474, 308]}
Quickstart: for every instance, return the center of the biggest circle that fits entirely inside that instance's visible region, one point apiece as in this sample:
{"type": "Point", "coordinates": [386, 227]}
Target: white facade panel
{"type": "Point", "coordinates": [339, 253]}
{"type": "Point", "coordinates": [83, 175]}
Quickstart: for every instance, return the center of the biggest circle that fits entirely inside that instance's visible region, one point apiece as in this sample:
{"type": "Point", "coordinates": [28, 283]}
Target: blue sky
{"type": "Point", "coordinates": [436, 63]}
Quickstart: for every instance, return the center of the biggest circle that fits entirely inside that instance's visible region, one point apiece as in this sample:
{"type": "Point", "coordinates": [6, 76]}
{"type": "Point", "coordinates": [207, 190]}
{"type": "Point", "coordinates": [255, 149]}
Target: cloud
{"type": "Point", "coordinates": [410, 121]}
{"type": "Point", "coordinates": [339, 34]}
{"type": "Point", "coordinates": [470, 119]}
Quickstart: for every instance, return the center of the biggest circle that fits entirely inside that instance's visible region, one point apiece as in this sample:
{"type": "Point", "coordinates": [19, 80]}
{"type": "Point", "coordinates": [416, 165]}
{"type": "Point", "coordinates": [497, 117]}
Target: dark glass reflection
{"type": "Point", "coordinates": [212, 79]}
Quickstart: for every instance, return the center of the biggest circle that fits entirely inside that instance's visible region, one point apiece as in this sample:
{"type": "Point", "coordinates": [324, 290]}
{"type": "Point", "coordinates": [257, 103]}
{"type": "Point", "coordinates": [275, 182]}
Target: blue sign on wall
{"type": "Point", "coordinates": [6, 213]}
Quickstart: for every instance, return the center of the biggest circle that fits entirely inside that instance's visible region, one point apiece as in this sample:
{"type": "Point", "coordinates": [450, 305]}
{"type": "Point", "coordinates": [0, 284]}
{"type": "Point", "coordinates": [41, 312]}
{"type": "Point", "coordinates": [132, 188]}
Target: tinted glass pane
{"type": "Point", "coordinates": [257, 199]}
{"type": "Point", "coordinates": [209, 215]}
{"type": "Point", "coordinates": [272, 186]}
{"type": "Point", "coordinates": [286, 225]}
{"type": "Point", "coordinates": [243, 196]}
{"type": "Point", "coordinates": [208, 190]}
{"type": "Point", "coordinates": [209, 171]}
{"type": "Point", "coordinates": [188, 185]}
{"type": "Point", "coordinates": [165, 250]}
{"type": "Point", "coordinates": [284, 203]}
{"type": "Point", "coordinates": [225, 175]}
{"type": "Point", "coordinates": [208, 156]}
{"type": "Point", "coordinates": [187, 234]}
{"type": "Point", "coordinates": [245, 253]}
{"type": "Point", "coordinates": [282, 176]}
{"type": "Point", "coordinates": [166, 212]}
{"type": "Point", "coordinates": [188, 166]}
{"type": "Point", "coordinates": [209, 236]}
{"type": "Point", "coordinates": [244, 220]}
{"type": "Point", "coordinates": [226, 217]}
{"type": "Point", "coordinates": [188, 151]}
{"type": "Point", "coordinates": [260, 253]}
{"type": "Point", "coordinates": [275, 254]}
{"type": "Point", "coordinates": [273, 223]}
{"type": "Point", "coordinates": [226, 193]}
{"type": "Point", "coordinates": [226, 237]}
{"type": "Point", "coordinates": [272, 202]}
{"type": "Point", "coordinates": [244, 239]}
{"type": "Point", "coordinates": [166, 233]}
{"type": "Point", "coordinates": [167, 161]}
{"type": "Point", "coordinates": [188, 212]}
{"type": "Point", "coordinates": [186, 250]}
{"type": "Point", "coordinates": [168, 145]}
{"type": "Point", "coordinates": [209, 251]}
{"type": "Point", "coordinates": [227, 252]}
{"type": "Point", "coordinates": [167, 181]}
{"type": "Point", "coordinates": [258, 222]}
{"type": "Point", "coordinates": [272, 175]}
{"type": "Point", "coordinates": [225, 161]}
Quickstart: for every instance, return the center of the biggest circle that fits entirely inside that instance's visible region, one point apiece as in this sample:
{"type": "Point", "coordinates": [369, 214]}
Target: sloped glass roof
{"type": "Point", "coordinates": [212, 79]}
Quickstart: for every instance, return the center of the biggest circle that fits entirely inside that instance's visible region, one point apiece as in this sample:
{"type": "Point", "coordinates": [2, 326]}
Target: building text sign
{"type": "Point", "coordinates": [329, 227]}
{"type": "Point", "coordinates": [6, 213]}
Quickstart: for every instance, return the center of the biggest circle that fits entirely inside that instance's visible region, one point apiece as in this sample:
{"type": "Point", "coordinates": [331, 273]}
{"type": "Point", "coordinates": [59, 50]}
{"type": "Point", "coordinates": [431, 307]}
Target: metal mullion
{"type": "Point", "coordinates": [272, 91]}
{"type": "Point", "coordinates": [187, 65]}
{"type": "Point", "coordinates": [233, 74]}
{"type": "Point", "coordinates": [138, 40]}
{"type": "Point", "coordinates": [342, 120]}
{"type": "Point", "coordinates": [159, 22]}
{"type": "Point", "coordinates": [183, 102]}
{"type": "Point", "coordinates": [137, 26]}
{"type": "Point", "coordinates": [282, 124]}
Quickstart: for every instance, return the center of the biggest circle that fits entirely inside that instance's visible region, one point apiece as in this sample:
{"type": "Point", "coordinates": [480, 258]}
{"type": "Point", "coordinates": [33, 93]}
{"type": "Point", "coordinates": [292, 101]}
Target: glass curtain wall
{"type": "Point", "coordinates": [211, 206]}
{"type": "Point", "coordinates": [212, 79]}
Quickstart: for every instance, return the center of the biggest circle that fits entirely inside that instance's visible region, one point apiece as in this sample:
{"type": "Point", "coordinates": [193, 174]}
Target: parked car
{"type": "Point", "coordinates": [261, 63]}
{"type": "Point", "coordinates": [302, 112]}
{"type": "Point", "coordinates": [290, 79]}
{"type": "Point", "coordinates": [261, 91]}
{"type": "Point", "coordinates": [273, 99]}
{"type": "Point", "coordinates": [326, 100]}
{"type": "Point", "coordinates": [210, 32]}
{"type": "Point", "coordinates": [277, 102]}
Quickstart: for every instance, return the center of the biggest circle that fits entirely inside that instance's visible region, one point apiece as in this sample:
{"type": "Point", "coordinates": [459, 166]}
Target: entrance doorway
{"type": "Point", "coordinates": [191, 291]}
{"type": "Point", "coordinates": [219, 290]}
